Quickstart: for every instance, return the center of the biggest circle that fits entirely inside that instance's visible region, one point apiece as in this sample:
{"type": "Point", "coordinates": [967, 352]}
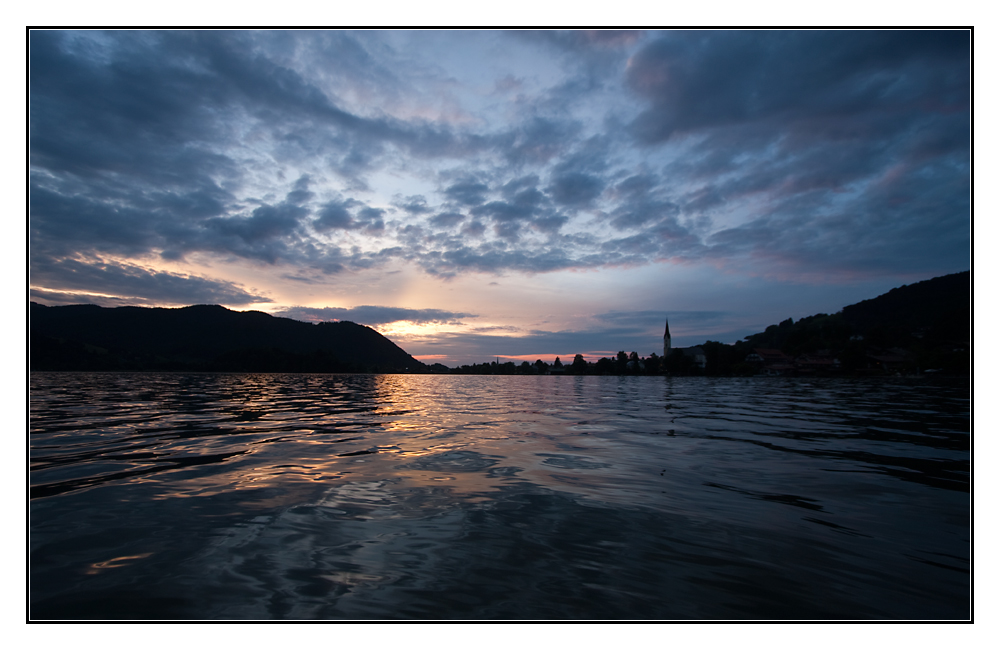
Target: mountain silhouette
{"type": "Point", "coordinates": [940, 307]}
{"type": "Point", "coordinates": [204, 338]}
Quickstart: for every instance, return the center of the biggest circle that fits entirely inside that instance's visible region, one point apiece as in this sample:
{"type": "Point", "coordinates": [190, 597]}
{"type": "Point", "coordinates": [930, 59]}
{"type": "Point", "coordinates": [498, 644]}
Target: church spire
{"type": "Point", "coordinates": [666, 339]}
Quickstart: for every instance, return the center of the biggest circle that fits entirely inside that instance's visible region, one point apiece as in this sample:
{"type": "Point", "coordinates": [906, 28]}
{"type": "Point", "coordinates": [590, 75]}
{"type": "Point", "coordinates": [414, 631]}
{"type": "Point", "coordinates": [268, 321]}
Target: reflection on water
{"type": "Point", "coordinates": [228, 496]}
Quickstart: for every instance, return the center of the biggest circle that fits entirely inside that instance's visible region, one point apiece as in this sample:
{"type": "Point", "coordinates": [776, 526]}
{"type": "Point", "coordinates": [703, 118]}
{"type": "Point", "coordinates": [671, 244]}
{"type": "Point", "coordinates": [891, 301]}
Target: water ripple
{"type": "Point", "coordinates": [394, 496]}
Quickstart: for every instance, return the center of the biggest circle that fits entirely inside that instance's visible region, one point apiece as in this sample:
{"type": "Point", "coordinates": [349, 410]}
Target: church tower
{"type": "Point", "coordinates": [666, 341]}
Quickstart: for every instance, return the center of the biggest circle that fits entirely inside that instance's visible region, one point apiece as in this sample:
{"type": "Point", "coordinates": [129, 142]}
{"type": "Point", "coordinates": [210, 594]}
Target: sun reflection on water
{"type": "Point", "coordinates": [114, 563]}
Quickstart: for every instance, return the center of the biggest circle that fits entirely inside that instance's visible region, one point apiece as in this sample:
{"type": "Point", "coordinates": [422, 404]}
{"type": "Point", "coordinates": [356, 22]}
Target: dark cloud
{"type": "Point", "coordinates": [792, 112]}
{"type": "Point", "coordinates": [810, 129]}
{"type": "Point", "coordinates": [138, 284]}
{"type": "Point", "coordinates": [525, 205]}
{"type": "Point", "coordinates": [549, 224]}
{"type": "Point", "coordinates": [55, 298]}
{"type": "Point", "coordinates": [127, 132]}
{"type": "Point", "coordinates": [522, 186]}
{"type": "Point", "coordinates": [502, 211]}
{"type": "Point", "coordinates": [468, 192]}
{"type": "Point", "coordinates": [128, 128]}
{"type": "Point", "coordinates": [300, 193]}
{"type": "Point", "coordinates": [811, 152]}
{"type": "Point", "coordinates": [538, 139]}
{"type": "Point", "coordinates": [447, 219]}
{"type": "Point", "coordinates": [638, 214]}
{"type": "Point", "coordinates": [264, 235]}
{"type": "Point", "coordinates": [105, 218]}
{"type": "Point", "coordinates": [575, 189]}
{"type": "Point", "coordinates": [374, 315]}
{"type": "Point", "coordinates": [336, 214]}
{"type": "Point", "coordinates": [699, 80]}
{"type": "Point", "coordinates": [637, 185]}
{"type": "Point", "coordinates": [630, 247]}
{"type": "Point", "coordinates": [495, 257]}
{"type": "Point", "coordinates": [909, 222]}
{"type": "Point", "coordinates": [639, 204]}
{"type": "Point", "coordinates": [264, 223]}
{"type": "Point", "coordinates": [474, 228]}
{"type": "Point", "coordinates": [121, 107]}
{"type": "Point", "coordinates": [371, 218]}
{"type": "Point", "coordinates": [508, 231]}
{"type": "Point", "coordinates": [62, 224]}
{"type": "Point", "coordinates": [414, 205]}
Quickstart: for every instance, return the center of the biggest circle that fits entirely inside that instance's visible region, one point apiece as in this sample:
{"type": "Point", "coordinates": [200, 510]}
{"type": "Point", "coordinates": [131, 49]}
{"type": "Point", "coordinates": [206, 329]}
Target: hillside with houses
{"type": "Point", "coordinates": [920, 328]}
{"type": "Point", "coordinates": [923, 328]}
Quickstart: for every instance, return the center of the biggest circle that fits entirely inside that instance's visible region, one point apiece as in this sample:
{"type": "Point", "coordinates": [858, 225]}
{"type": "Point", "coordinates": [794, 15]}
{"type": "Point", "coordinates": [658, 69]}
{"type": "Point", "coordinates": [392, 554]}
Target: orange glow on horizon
{"type": "Point", "coordinates": [550, 358]}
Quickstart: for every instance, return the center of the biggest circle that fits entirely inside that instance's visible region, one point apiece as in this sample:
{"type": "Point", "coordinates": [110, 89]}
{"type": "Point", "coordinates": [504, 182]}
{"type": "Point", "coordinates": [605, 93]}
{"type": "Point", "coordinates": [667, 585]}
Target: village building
{"type": "Point", "coordinates": [820, 361]}
{"type": "Point", "coordinates": [771, 362]}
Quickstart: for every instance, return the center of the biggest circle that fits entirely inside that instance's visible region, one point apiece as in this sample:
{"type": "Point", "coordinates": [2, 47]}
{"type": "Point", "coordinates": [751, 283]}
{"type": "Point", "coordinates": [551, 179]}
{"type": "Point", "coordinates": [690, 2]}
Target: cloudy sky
{"type": "Point", "coordinates": [483, 194]}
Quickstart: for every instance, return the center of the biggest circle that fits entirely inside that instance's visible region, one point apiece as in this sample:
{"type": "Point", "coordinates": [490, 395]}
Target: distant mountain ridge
{"type": "Point", "coordinates": [204, 337]}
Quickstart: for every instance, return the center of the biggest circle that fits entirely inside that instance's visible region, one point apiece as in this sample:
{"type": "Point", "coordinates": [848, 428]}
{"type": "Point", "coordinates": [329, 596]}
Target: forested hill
{"type": "Point", "coordinates": [925, 325]}
{"type": "Point", "coordinates": [932, 312]}
{"type": "Point", "coordinates": [203, 337]}
{"type": "Point", "coordinates": [940, 307]}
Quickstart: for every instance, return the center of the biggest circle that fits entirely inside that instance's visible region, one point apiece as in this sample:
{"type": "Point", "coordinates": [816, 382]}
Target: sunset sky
{"type": "Point", "coordinates": [513, 194]}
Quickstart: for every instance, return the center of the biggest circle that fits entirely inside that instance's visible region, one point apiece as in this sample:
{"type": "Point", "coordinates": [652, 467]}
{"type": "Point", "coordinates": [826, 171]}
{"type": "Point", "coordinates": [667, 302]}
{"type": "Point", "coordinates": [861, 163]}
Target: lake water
{"type": "Point", "coordinates": [255, 496]}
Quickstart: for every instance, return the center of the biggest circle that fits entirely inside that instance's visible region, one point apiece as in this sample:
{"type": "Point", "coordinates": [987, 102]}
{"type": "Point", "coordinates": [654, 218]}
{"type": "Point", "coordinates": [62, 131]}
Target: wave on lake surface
{"type": "Point", "coordinates": [255, 496]}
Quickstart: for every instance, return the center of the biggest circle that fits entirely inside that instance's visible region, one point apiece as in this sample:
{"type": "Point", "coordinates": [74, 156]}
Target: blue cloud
{"type": "Point", "coordinates": [93, 281]}
{"type": "Point", "coordinates": [812, 153]}
{"type": "Point", "coordinates": [374, 315]}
